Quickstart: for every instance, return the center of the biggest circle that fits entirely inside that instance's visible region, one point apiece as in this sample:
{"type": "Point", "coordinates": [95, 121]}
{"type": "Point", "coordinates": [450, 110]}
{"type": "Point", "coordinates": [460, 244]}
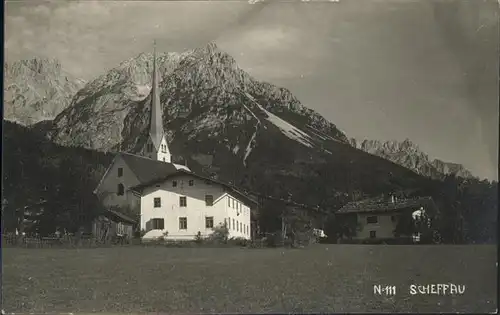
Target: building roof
{"type": "Point", "coordinates": [147, 169]}
{"type": "Point", "coordinates": [120, 216]}
{"type": "Point", "coordinates": [139, 188]}
{"type": "Point", "coordinates": [374, 205]}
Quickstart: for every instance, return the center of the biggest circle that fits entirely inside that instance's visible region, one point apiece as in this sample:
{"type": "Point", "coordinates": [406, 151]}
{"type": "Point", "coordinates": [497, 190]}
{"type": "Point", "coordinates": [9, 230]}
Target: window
{"type": "Point", "coordinates": [241, 227]}
{"type": "Point", "coordinates": [228, 201]}
{"type": "Point", "coordinates": [237, 203]}
{"type": "Point", "coordinates": [158, 224]}
{"type": "Point", "coordinates": [120, 172]}
{"type": "Point", "coordinates": [234, 228]}
{"type": "Point", "coordinates": [150, 147]}
{"type": "Point", "coordinates": [233, 203]}
{"type": "Point", "coordinates": [225, 222]}
{"type": "Point", "coordinates": [121, 190]}
{"type": "Point", "coordinates": [209, 200]}
{"type": "Point", "coordinates": [163, 159]}
{"type": "Point", "coordinates": [157, 202]}
{"type": "Point", "coordinates": [164, 148]}
{"type": "Point", "coordinates": [373, 234]}
{"type": "Point", "coordinates": [120, 228]}
{"type": "Point", "coordinates": [372, 219]}
{"type": "Point", "coordinates": [183, 223]}
{"type": "Point", "coordinates": [182, 202]}
{"type": "Point", "coordinates": [191, 182]}
{"type": "Point", "coordinates": [229, 225]}
{"type": "Point", "coordinates": [209, 222]}
{"type": "Point", "coordinates": [237, 226]}
{"type": "Point", "coordinates": [174, 183]}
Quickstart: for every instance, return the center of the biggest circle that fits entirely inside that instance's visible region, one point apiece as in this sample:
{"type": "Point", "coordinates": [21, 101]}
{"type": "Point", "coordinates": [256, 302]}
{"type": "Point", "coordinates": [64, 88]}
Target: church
{"type": "Point", "coordinates": [173, 202]}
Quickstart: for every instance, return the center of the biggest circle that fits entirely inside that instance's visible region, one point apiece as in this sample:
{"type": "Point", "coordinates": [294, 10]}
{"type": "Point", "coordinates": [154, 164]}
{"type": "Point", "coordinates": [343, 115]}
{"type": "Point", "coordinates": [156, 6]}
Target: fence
{"type": "Point", "coordinates": [83, 240]}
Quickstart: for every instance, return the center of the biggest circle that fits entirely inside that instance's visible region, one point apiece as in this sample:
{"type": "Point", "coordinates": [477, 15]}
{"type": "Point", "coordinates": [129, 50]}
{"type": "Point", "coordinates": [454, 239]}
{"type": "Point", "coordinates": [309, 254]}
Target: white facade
{"type": "Point", "coordinates": [161, 154]}
{"type": "Point", "coordinates": [113, 190]}
{"type": "Point", "coordinates": [381, 225]}
{"type": "Point", "coordinates": [376, 225]}
{"type": "Point", "coordinates": [181, 209]}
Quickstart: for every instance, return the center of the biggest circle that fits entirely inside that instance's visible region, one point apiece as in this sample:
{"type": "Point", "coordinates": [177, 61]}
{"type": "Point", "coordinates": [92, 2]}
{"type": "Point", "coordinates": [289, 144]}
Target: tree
{"type": "Point", "coordinates": [405, 226]}
{"type": "Point", "coordinates": [340, 226]}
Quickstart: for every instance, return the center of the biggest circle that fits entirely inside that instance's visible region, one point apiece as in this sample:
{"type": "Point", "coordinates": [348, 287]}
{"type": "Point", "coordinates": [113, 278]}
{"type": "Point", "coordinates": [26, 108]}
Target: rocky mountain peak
{"type": "Point", "coordinates": [408, 154]}
{"type": "Point", "coordinates": [34, 65]}
{"type": "Point", "coordinates": [210, 48]}
{"type": "Point", "coordinates": [37, 89]}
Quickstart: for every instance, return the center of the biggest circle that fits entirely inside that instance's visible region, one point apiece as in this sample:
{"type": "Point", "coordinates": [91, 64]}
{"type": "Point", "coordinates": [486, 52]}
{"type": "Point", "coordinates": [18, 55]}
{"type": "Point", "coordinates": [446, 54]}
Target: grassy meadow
{"type": "Point", "coordinates": [321, 278]}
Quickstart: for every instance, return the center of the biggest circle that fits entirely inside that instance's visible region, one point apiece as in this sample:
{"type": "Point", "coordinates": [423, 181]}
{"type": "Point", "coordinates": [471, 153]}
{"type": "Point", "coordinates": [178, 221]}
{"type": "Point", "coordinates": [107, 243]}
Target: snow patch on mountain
{"type": "Point", "coordinates": [252, 141]}
{"type": "Point", "coordinates": [286, 128]}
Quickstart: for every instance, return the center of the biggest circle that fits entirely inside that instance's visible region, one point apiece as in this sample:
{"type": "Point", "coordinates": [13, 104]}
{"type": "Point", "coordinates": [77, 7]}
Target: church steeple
{"type": "Point", "coordinates": [155, 124]}
{"type": "Point", "coordinates": [156, 147]}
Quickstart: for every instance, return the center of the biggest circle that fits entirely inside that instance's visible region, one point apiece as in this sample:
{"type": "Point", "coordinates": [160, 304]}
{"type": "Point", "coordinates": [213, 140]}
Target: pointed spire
{"type": "Point", "coordinates": [156, 122]}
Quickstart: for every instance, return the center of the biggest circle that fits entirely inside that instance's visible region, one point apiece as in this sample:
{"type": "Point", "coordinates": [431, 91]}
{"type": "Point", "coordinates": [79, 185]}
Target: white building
{"type": "Point", "coordinates": [183, 204]}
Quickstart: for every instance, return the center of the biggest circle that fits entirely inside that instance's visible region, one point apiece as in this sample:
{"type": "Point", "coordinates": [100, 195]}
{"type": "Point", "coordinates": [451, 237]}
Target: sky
{"type": "Point", "coordinates": [379, 69]}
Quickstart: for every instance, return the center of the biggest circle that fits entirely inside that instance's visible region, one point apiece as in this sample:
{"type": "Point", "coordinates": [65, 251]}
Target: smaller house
{"type": "Point", "coordinates": [112, 224]}
{"type": "Point", "coordinates": [377, 219]}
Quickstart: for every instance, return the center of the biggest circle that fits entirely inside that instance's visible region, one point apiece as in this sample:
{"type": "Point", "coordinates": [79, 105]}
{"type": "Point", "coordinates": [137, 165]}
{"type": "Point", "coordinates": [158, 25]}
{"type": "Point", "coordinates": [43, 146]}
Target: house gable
{"type": "Point", "coordinates": [118, 173]}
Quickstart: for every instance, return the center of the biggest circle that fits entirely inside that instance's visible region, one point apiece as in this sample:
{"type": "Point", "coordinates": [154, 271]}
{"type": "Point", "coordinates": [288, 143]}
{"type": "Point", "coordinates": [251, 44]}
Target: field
{"type": "Point", "coordinates": [322, 278]}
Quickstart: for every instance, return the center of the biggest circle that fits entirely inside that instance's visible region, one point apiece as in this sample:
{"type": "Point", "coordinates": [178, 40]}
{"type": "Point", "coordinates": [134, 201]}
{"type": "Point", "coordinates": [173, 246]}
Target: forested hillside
{"type": "Point", "coordinates": [35, 168]}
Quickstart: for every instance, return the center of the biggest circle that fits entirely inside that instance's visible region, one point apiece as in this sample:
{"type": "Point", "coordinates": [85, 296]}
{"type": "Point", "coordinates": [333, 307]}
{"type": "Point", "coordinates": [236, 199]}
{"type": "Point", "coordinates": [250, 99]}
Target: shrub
{"type": "Point", "coordinates": [198, 238]}
{"type": "Point", "coordinates": [273, 240]}
{"type": "Point", "coordinates": [163, 236]}
{"type": "Point", "coordinates": [219, 235]}
{"type": "Point", "coordinates": [239, 241]}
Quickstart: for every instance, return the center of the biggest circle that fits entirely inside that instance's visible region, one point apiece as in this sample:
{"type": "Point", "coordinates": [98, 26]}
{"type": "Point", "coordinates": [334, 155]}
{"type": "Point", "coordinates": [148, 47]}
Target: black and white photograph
{"type": "Point", "coordinates": [257, 157]}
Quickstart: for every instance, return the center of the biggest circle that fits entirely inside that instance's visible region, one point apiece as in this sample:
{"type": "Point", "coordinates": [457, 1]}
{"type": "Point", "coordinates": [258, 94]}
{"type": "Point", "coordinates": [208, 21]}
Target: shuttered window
{"type": "Point", "coordinates": [158, 224]}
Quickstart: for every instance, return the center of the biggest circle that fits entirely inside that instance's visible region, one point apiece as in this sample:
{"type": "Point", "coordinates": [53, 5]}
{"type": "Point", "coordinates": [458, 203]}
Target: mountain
{"type": "Point", "coordinates": [409, 155]}
{"type": "Point", "coordinates": [195, 81]}
{"type": "Point", "coordinates": [36, 90]}
{"type": "Point", "coordinates": [227, 124]}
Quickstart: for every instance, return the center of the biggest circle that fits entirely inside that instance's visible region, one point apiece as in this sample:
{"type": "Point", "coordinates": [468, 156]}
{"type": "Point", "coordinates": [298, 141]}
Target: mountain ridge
{"type": "Point", "coordinates": [37, 89]}
{"type": "Point", "coordinates": [409, 155]}
{"type": "Point", "coordinates": [201, 72]}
